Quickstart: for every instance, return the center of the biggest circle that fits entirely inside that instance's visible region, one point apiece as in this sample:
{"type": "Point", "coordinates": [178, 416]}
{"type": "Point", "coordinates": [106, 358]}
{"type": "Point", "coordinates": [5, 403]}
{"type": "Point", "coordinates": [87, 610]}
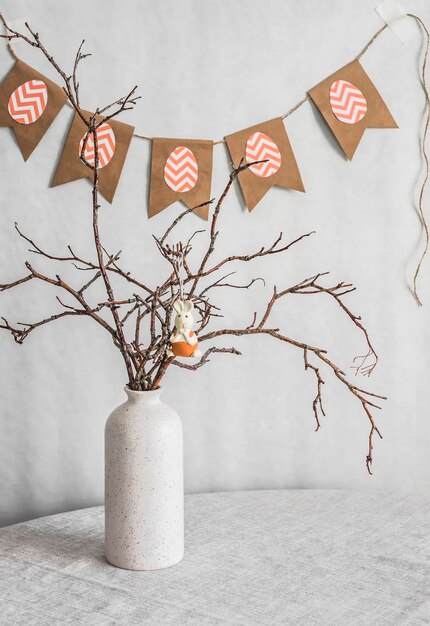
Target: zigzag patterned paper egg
{"type": "Point", "coordinates": [260, 147]}
{"type": "Point", "coordinates": [181, 171]}
{"type": "Point", "coordinates": [347, 102]}
{"type": "Point", "coordinates": [28, 102]}
{"type": "Point", "coordinates": [105, 145]}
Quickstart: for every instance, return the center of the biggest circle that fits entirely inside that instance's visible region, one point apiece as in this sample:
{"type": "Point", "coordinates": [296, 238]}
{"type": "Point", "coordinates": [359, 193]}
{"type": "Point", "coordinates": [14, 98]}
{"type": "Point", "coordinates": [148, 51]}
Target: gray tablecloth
{"type": "Point", "coordinates": [322, 558]}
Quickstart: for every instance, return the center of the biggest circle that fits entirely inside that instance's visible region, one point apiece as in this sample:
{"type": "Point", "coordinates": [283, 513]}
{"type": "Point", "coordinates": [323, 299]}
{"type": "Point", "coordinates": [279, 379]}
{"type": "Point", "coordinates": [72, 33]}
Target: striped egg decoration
{"type": "Point", "coordinates": [347, 102]}
{"type": "Point", "coordinates": [181, 170]}
{"type": "Point", "coordinates": [28, 102]}
{"type": "Point", "coordinates": [260, 147]}
{"type": "Point", "coordinates": [105, 145]}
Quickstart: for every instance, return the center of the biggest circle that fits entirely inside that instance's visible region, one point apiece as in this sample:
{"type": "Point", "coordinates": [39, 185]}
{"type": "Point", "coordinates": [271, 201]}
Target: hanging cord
{"type": "Point", "coordinates": [180, 268]}
{"type": "Point", "coordinates": [178, 263]}
{"type": "Point", "coordinates": [426, 43]}
{"type": "Point", "coordinates": [369, 43]}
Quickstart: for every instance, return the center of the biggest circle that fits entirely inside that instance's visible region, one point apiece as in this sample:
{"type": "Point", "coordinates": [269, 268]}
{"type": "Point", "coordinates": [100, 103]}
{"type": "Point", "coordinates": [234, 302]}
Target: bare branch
{"type": "Point", "coordinates": [15, 283]}
{"type": "Point", "coordinates": [140, 323]}
{"type": "Point", "coordinates": [317, 404]}
{"type": "Point", "coordinates": [204, 359]}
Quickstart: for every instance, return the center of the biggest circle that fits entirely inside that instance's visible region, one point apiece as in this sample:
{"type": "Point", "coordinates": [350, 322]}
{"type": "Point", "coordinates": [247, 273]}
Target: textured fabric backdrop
{"type": "Point", "coordinates": [206, 69]}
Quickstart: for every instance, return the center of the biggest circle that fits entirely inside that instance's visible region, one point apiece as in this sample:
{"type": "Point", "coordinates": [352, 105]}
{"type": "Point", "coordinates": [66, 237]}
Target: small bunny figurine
{"type": "Point", "coordinates": [183, 340]}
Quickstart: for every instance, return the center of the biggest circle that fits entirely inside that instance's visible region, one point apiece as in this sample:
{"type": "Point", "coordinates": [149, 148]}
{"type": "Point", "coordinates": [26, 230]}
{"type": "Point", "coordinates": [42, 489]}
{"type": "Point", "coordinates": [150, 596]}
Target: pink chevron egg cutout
{"type": "Point", "coordinates": [260, 147]}
{"type": "Point", "coordinates": [181, 170]}
{"type": "Point", "coordinates": [105, 145]}
{"type": "Point", "coordinates": [28, 102]}
{"type": "Point", "coordinates": [347, 102]}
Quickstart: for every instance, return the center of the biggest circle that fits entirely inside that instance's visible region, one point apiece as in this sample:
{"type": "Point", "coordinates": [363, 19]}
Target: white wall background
{"type": "Point", "coordinates": [206, 69]}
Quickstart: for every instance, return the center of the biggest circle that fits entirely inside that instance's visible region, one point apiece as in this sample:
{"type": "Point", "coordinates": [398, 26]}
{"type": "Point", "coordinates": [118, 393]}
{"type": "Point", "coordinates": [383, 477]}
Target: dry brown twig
{"type": "Point", "coordinates": [147, 313]}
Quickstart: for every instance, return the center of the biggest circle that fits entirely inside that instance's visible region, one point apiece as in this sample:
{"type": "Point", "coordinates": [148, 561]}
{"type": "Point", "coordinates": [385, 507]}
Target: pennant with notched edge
{"type": "Point", "coordinates": [350, 103]}
{"type": "Point", "coordinates": [264, 142]}
{"type": "Point", "coordinates": [181, 169]}
{"type": "Point", "coordinates": [113, 140]}
{"type": "Point", "coordinates": [29, 103]}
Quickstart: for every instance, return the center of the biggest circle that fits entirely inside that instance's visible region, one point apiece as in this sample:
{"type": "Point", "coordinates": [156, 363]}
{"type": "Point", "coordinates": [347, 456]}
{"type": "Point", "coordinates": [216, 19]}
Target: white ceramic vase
{"type": "Point", "coordinates": [144, 487]}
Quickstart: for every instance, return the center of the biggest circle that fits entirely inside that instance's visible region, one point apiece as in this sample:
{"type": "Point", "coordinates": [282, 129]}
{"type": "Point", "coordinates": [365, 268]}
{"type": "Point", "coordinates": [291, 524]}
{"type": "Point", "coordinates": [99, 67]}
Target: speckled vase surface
{"type": "Point", "coordinates": [144, 486]}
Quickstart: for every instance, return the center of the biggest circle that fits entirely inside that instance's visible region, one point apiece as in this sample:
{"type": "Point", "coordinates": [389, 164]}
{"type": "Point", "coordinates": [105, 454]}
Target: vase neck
{"type": "Point", "coordinates": [143, 397]}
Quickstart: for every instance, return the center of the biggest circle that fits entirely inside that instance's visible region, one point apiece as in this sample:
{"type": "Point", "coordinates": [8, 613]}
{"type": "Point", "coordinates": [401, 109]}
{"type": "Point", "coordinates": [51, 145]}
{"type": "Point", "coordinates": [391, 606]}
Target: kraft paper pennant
{"type": "Point", "coordinates": [350, 103]}
{"type": "Point", "coordinates": [267, 141]}
{"type": "Point", "coordinates": [181, 169]}
{"type": "Point", "coordinates": [29, 103]}
{"type": "Point", "coordinates": [113, 139]}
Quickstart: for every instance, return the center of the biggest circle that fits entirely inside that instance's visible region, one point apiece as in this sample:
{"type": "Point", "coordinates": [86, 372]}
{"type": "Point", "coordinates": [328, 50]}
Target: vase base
{"type": "Point", "coordinates": [143, 568]}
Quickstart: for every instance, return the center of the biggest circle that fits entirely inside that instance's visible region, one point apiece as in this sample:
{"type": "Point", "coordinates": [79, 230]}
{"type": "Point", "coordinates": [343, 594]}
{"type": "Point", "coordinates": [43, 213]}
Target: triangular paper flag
{"type": "Point", "coordinates": [181, 169]}
{"type": "Point", "coordinates": [29, 103]}
{"type": "Point", "coordinates": [113, 139]}
{"type": "Point", "coordinates": [264, 142]}
{"type": "Point", "coordinates": [350, 103]}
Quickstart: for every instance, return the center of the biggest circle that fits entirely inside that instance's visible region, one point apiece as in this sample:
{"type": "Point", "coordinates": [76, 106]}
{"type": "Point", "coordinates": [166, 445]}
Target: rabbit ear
{"type": "Point", "coordinates": [178, 305]}
{"type": "Point", "coordinates": [188, 306]}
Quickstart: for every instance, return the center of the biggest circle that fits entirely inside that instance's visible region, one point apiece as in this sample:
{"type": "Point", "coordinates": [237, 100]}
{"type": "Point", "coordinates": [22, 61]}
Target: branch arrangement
{"type": "Point", "coordinates": [140, 325]}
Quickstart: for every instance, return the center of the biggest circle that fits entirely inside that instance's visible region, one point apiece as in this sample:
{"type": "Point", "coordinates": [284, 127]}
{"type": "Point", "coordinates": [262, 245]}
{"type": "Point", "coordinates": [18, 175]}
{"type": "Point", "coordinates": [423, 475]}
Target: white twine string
{"type": "Point", "coordinates": [179, 270]}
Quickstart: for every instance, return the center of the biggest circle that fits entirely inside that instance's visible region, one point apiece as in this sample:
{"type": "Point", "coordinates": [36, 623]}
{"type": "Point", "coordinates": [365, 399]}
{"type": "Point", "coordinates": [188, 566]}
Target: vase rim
{"type": "Point", "coordinates": [134, 394]}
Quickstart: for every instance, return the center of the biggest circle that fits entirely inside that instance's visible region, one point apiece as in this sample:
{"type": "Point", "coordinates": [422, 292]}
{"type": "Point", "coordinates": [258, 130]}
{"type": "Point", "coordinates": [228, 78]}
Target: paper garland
{"type": "Point", "coordinates": [350, 103]}
{"type": "Point", "coordinates": [264, 142]}
{"type": "Point", "coordinates": [181, 169]}
{"type": "Point", "coordinates": [113, 143]}
{"type": "Point", "coordinates": [29, 103]}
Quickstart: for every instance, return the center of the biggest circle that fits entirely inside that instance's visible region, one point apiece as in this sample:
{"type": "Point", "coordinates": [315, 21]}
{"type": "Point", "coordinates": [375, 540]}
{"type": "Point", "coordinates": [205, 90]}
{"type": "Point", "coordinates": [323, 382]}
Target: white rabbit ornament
{"type": "Point", "coordinates": [183, 340]}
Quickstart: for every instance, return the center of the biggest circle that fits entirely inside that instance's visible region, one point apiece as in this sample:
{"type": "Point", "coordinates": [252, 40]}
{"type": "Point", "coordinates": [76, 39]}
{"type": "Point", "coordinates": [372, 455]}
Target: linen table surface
{"type": "Point", "coordinates": [302, 557]}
